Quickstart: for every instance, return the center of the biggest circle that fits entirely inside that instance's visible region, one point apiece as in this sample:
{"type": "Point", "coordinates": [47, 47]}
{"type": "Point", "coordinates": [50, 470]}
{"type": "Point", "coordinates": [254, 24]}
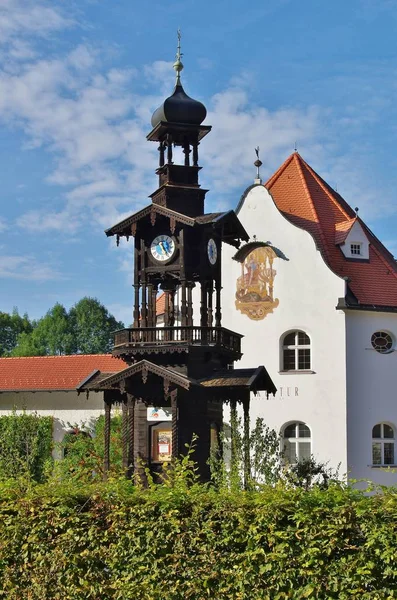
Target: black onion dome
{"type": "Point", "coordinates": [180, 108]}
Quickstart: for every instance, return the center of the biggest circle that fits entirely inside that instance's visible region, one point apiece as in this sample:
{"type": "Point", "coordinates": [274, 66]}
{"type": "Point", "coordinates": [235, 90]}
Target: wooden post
{"type": "Point", "coordinates": [203, 304]}
{"type": "Point", "coordinates": [175, 424]}
{"type": "Point", "coordinates": [247, 458]}
{"type": "Point", "coordinates": [161, 150]}
{"type": "Point", "coordinates": [183, 304]}
{"type": "Point", "coordinates": [195, 154]}
{"type": "Point", "coordinates": [169, 149]}
{"type": "Point", "coordinates": [154, 304]}
{"type": "Point", "coordinates": [124, 433]}
{"type": "Point", "coordinates": [106, 459]}
{"type": "Point", "coordinates": [218, 313]}
{"type": "Point", "coordinates": [131, 426]}
{"type": "Point", "coordinates": [209, 312]}
{"type": "Point", "coordinates": [172, 308]}
{"type": "Point", "coordinates": [143, 287]}
{"type": "Point", "coordinates": [151, 309]}
{"type": "Point", "coordinates": [137, 266]}
{"type": "Point", "coordinates": [189, 318]}
{"type": "Point", "coordinates": [234, 466]}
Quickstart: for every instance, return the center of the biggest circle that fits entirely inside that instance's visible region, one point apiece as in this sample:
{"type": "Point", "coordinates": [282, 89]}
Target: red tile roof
{"type": "Point", "coordinates": [53, 372]}
{"type": "Point", "coordinates": [160, 304]}
{"type": "Point", "coordinates": [309, 202]}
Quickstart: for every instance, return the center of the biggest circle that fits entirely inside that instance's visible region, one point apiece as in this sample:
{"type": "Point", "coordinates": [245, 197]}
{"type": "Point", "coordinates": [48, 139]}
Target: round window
{"type": "Point", "coordinates": [382, 342]}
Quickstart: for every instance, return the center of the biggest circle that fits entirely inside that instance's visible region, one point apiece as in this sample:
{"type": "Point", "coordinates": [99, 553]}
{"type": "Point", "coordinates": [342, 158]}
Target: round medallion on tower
{"type": "Point", "coordinates": [179, 107]}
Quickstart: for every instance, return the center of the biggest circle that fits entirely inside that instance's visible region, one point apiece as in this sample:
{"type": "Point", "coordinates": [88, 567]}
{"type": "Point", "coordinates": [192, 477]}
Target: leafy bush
{"type": "Point", "coordinates": [82, 451]}
{"type": "Point", "coordinates": [174, 542]}
{"type": "Point", "coordinates": [25, 446]}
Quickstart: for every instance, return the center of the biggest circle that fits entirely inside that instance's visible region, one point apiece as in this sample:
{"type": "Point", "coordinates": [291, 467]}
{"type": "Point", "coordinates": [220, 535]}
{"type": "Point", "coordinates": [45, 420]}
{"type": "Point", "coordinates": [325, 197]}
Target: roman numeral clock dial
{"type": "Point", "coordinates": [162, 248]}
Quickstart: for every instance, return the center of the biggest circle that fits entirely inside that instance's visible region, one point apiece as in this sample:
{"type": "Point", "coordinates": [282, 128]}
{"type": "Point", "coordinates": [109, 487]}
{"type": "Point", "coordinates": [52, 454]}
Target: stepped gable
{"type": "Point", "coordinates": [307, 201]}
{"type": "Point", "coordinates": [53, 373]}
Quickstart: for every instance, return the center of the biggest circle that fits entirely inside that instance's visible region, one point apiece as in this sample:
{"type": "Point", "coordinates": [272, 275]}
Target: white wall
{"type": "Point", "coordinates": [308, 292]}
{"type": "Point", "coordinates": [67, 408]}
{"type": "Point", "coordinates": [372, 390]}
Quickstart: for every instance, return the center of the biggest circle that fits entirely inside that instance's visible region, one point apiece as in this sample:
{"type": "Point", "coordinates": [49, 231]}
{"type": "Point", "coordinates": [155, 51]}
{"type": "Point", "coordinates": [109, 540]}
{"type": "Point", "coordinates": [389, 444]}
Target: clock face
{"type": "Point", "coordinates": [212, 251]}
{"type": "Point", "coordinates": [162, 248]}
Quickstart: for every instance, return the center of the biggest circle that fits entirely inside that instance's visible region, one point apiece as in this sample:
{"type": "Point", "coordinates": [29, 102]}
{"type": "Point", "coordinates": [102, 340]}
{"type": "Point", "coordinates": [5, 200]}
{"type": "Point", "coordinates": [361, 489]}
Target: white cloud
{"type": "Point", "coordinates": [30, 17]}
{"type": "Point", "coordinates": [94, 125]}
{"type": "Point", "coordinates": [3, 224]}
{"type": "Point", "coordinates": [228, 152]}
{"type": "Point", "coordinates": [26, 268]}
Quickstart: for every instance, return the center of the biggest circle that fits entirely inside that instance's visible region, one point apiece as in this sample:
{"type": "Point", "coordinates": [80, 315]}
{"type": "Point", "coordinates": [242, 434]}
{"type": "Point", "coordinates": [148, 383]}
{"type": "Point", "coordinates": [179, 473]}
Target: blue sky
{"type": "Point", "coordinates": [80, 79]}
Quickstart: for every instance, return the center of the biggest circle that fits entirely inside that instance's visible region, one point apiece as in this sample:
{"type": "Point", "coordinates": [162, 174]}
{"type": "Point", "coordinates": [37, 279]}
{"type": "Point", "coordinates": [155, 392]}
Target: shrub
{"type": "Point", "coordinates": [25, 445]}
{"type": "Point", "coordinates": [114, 541]}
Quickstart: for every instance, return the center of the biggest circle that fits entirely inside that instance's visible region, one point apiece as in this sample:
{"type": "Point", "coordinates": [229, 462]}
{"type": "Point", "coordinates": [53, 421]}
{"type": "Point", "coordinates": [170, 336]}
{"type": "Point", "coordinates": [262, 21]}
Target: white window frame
{"type": "Point", "coordinates": [295, 347]}
{"type": "Point", "coordinates": [357, 246]}
{"type": "Point", "coordinates": [297, 440]}
{"type": "Point", "coordinates": [381, 441]}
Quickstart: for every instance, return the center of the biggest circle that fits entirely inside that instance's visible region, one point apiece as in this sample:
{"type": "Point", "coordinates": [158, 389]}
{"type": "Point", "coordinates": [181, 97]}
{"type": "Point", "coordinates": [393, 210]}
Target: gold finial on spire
{"type": "Point", "coordinates": [178, 66]}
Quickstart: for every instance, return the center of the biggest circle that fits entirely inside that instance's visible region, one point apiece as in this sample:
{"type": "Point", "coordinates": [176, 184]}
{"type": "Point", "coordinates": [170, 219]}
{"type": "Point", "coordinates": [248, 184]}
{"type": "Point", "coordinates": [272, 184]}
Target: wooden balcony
{"type": "Point", "coordinates": [137, 340]}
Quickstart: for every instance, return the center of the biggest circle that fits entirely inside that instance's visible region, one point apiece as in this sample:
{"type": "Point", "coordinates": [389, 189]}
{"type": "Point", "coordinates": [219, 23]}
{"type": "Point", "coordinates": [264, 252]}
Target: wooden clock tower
{"type": "Point", "coordinates": [186, 366]}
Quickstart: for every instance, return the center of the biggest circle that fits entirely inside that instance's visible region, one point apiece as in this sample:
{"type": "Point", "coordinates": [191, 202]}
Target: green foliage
{"type": "Point", "coordinates": [51, 335]}
{"type": "Point", "coordinates": [86, 329]}
{"type": "Point", "coordinates": [25, 446]}
{"type": "Point", "coordinates": [186, 541]}
{"type": "Point", "coordinates": [82, 451]}
{"type": "Point", "coordinates": [11, 326]}
{"type": "Point", "coordinates": [92, 326]}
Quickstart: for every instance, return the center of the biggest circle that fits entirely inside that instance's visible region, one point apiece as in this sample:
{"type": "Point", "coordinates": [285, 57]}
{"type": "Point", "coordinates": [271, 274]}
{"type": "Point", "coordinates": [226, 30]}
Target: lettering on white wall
{"type": "Point", "coordinates": [283, 393]}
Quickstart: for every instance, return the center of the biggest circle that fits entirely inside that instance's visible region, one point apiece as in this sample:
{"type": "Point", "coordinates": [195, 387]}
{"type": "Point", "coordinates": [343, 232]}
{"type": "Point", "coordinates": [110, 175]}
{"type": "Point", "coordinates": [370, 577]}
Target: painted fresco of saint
{"type": "Point", "coordinates": [254, 294]}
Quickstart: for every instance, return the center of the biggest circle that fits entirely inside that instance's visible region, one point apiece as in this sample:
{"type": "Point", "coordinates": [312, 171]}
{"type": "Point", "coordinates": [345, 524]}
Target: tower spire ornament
{"type": "Point", "coordinates": [178, 66]}
{"type": "Point", "coordinates": [258, 164]}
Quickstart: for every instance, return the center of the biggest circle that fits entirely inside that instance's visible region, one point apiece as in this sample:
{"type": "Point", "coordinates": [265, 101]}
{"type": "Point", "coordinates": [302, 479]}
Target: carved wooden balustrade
{"type": "Point", "coordinates": [136, 338]}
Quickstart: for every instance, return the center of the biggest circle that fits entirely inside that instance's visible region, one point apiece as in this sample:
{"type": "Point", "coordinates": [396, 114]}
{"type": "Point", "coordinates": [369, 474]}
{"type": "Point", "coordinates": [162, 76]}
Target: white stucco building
{"type": "Point", "coordinates": [315, 295]}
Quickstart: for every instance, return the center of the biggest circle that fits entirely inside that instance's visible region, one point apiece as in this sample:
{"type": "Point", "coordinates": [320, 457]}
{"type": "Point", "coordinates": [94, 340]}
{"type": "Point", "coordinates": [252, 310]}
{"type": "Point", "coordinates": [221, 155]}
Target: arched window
{"type": "Point", "coordinates": [296, 352]}
{"type": "Point", "coordinates": [383, 444]}
{"type": "Point", "coordinates": [296, 443]}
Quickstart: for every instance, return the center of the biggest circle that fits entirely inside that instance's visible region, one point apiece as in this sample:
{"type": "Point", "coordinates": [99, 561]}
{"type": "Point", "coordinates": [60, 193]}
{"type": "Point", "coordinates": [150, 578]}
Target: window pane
{"type": "Point", "coordinates": [290, 431]}
{"type": "Point", "coordinates": [289, 339]}
{"type": "Point", "coordinates": [389, 453]}
{"type": "Point", "coordinates": [289, 360]}
{"type": "Point", "coordinates": [304, 450]}
{"type": "Point", "coordinates": [376, 454]}
{"type": "Point", "coordinates": [303, 338]}
{"type": "Point", "coordinates": [376, 431]}
{"type": "Point", "coordinates": [388, 431]}
{"type": "Point", "coordinates": [304, 359]}
{"type": "Point", "coordinates": [290, 452]}
{"type": "Point", "coordinates": [304, 431]}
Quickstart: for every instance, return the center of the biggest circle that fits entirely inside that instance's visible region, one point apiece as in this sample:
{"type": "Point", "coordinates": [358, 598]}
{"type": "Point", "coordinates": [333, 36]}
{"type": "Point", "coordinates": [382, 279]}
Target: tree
{"type": "Point", "coordinates": [92, 327]}
{"type": "Point", "coordinates": [11, 326]}
{"type": "Point", "coordinates": [52, 335]}
{"type": "Point", "coordinates": [86, 329]}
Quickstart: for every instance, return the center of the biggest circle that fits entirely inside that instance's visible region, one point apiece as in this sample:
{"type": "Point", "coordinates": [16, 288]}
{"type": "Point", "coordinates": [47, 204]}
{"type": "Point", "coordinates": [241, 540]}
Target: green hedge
{"type": "Point", "coordinates": [25, 446]}
{"type": "Point", "coordinates": [114, 541]}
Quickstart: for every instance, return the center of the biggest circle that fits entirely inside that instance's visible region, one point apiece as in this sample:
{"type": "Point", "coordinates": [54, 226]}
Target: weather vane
{"type": "Point", "coordinates": [178, 66]}
{"type": "Point", "coordinates": [257, 163]}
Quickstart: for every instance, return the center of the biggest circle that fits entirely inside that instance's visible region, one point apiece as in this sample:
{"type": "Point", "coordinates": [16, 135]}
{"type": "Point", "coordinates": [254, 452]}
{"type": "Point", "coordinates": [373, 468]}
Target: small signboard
{"type": "Point", "coordinates": [158, 414]}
